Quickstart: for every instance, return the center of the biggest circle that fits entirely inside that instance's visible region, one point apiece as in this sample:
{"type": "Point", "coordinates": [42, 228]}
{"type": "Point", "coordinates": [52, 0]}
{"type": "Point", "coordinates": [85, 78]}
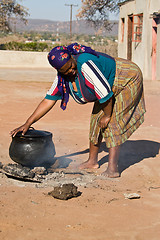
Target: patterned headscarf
{"type": "Point", "coordinates": [59, 56]}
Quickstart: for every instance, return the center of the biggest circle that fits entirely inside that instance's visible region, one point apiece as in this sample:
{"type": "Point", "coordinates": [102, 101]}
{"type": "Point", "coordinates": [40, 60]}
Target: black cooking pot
{"type": "Point", "coordinates": [34, 149]}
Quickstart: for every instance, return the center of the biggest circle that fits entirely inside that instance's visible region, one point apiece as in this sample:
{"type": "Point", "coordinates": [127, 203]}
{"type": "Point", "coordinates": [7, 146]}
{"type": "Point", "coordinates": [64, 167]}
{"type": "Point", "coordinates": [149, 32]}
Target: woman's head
{"type": "Point", "coordinates": [61, 59]}
{"type": "Point", "coordinates": [58, 57]}
{"type": "Point", "coordinates": [69, 68]}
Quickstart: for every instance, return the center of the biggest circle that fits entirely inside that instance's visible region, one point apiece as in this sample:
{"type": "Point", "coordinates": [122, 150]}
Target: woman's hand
{"type": "Point", "coordinates": [104, 121]}
{"type": "Point", "coordinates": [22, 129]}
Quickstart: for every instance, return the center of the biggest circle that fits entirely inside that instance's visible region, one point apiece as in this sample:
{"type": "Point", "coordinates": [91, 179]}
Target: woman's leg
{"type": "Point", "coordinates": [112, 169]}
{"type": "Point", "coordinates": [92, 161]}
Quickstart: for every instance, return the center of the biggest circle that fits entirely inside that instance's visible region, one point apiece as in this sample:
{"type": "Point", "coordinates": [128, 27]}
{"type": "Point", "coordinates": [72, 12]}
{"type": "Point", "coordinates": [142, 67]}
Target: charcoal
{"type": "Point", "coordinates": [39, 170]}
{"type": "Point", "coordinates": [1, 165]}
{"type": "Point", "coordinates": [18, 170]}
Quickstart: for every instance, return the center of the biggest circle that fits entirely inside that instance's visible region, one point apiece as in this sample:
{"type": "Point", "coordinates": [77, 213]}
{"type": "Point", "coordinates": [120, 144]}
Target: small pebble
{"type": "Point", "coordinates": [68, 226]}
{"type": "Point", "coordinates": [131, 196]}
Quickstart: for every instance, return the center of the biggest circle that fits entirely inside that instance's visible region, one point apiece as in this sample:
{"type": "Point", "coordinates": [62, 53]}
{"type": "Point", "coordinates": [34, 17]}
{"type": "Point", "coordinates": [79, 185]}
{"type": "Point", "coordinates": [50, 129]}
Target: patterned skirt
{"type": "Point", "coordinates": [128, 109]}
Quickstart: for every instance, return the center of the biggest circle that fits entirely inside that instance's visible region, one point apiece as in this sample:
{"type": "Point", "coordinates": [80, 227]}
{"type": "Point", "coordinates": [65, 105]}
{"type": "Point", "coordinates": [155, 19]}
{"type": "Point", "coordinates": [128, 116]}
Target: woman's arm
{"type": "Point", "coordinates": [107, 108]}
{"type": "Point", "coordinates": [44, 107]}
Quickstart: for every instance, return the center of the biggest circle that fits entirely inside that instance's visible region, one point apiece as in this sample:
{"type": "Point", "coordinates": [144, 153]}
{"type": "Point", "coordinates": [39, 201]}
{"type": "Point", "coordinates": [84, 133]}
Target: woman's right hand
{"type": "Point", "coordinates": [22, 129]}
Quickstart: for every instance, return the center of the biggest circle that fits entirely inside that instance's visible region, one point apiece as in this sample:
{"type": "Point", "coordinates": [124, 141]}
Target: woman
{"type": "Point", "coordinates": [114, 85]}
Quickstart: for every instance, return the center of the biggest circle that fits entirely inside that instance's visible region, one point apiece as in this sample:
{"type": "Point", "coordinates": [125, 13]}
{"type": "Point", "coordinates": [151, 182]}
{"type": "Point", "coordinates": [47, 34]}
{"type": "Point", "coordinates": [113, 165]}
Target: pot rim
{"type": "Point", "coordinates": [32, 133]}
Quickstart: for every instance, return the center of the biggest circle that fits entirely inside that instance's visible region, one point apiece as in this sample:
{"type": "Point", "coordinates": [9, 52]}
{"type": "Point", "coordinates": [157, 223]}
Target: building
{"type": "Point", "coordinates": [139, 35]}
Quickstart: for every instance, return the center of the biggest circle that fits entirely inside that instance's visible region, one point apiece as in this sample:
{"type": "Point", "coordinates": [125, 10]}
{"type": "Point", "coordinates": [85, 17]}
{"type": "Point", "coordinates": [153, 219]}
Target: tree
{"type": "Point", "coordinates": [96, 11]}
{"type": "Point", "coordinates": [11, 9]}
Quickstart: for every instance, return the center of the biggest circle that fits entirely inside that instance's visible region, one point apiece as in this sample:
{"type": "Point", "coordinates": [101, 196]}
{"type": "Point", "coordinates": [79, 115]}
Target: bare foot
{"type": "Point", "coordinates": [110, 174]}
{"type": "Point", "coordinates": [88, 164]}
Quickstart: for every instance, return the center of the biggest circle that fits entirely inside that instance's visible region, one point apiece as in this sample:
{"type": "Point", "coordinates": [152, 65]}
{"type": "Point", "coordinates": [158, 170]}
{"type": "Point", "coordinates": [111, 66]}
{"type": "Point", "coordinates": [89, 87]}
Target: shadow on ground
{"type": "Point", "coordinates": [131, 152]}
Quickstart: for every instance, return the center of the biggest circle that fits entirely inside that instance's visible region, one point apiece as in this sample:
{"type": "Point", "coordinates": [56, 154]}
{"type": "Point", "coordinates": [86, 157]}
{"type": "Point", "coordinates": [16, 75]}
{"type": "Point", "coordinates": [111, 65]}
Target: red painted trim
{"type": "Point", "coordinates": [154, 48]}
{"type": "Point", "coordinates": [137, 35]}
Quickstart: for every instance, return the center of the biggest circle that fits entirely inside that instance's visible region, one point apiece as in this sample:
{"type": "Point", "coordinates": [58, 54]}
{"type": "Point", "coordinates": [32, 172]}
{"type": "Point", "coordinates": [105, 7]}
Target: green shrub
{"type": "Point", "coordinates": [19, 46]}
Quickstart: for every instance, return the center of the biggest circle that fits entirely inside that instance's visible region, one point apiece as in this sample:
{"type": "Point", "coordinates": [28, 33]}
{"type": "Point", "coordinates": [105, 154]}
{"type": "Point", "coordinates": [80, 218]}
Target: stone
{"type": "Point", "coordinates": [131, 196]}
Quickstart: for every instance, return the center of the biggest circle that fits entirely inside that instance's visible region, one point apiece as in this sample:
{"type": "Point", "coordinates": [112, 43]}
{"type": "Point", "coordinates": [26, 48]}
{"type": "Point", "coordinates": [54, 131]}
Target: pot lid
{"type": "Point", "coordinates": [32, 133]}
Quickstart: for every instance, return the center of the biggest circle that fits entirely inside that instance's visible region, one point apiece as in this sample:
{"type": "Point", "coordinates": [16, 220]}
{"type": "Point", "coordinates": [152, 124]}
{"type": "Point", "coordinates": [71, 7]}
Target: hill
{"type": "Point", "coordinates": [78, 27]}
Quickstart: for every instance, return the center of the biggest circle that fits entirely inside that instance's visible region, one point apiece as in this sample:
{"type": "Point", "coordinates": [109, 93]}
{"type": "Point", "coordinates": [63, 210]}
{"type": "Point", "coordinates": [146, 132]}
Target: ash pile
{"type": "Point", "coordinates": [50, 177]}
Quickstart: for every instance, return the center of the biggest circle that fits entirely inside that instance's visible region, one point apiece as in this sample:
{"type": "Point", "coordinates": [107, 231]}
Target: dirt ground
{"type": "Point", "coordinates": [101, 212]}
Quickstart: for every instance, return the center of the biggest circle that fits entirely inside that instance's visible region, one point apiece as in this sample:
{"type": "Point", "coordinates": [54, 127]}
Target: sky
{"type": "Point", "coordinates": [54, 9]}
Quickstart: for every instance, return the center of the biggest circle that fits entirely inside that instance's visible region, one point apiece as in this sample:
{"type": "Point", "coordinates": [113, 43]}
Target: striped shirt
{"type": "Point", "coordinates": [94, 80]}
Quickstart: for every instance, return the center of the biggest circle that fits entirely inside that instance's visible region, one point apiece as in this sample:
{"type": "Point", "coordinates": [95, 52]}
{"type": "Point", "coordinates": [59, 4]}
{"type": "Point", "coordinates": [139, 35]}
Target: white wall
{"type": "Point", "coordinates": [23, 59]}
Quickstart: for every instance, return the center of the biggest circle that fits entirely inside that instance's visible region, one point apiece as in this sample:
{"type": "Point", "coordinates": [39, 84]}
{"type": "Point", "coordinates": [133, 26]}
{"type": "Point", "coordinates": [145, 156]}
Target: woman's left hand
{"type": "Point", "coordinates": [104, 121]}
